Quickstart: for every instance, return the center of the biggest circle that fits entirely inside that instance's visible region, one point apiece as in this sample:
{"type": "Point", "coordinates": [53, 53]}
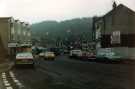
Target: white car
{"type": "Point", "coordinates": [75, 53]}
{"type": "Point", "coordinates": [24, 58]}
{"type": "Point", "coordinates": [41, 54]}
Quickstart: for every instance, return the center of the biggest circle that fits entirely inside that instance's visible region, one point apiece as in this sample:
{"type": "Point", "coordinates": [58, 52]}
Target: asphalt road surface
{"type": "Point", "coordinates": [65, 73]}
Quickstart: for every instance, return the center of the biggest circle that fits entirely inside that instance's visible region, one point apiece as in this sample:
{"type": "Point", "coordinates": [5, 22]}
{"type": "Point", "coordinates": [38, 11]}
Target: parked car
{"type": "Point", "coordinates": [88, 56]}
{"type": "Point", "coordinates": [108, 56]}
{"type": "Point", "coordinates": [75, 54]}
{"type": "Point", "coordinates": [24, 58]}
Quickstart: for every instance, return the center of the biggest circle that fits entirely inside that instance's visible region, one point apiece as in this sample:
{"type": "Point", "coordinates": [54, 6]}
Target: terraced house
{"type": "Point", "coordinates": [116, 31]}
{"type": "Point", "coordinates": [14, 34]}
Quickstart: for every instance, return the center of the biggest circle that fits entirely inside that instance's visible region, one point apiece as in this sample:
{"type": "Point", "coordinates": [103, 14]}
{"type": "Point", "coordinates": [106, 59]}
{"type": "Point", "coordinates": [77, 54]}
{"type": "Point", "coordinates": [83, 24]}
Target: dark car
{"type": "Point", "coordinates": [57, 51]}
{"type": "Point", "coordinates": [88, 56]}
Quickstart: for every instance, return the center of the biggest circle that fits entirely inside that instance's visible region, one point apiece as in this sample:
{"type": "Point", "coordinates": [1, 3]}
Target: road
{"type": "Point", "coordinates": [65, 73]}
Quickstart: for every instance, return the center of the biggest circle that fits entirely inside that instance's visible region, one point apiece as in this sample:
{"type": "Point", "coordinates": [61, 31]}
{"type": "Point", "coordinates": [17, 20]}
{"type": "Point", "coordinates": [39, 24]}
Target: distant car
{"type": "Point", "coordinates": [24, 58]}
{"type": "Point", "coordinates": [57, 51]}
{"type": "Point", "coordinates": [41, 55]}
{"type": "Point", "coordinates": [75, 54]}
{"type": "Point", "coordinates": [49, 55]}
{"type": "Point", "coordinates": [65, 51]}
{"type": "Point", "coordinates": [88, 56]}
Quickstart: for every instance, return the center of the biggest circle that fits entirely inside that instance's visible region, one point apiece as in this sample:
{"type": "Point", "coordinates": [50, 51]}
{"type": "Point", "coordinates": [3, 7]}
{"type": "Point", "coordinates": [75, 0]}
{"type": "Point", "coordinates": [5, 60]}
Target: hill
{"type": "Point", "coordinates": [68, 29]}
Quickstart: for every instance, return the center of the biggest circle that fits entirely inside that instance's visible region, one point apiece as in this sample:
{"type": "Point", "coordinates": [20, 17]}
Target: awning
{"type": "Point", "coordinates": [10, 45]}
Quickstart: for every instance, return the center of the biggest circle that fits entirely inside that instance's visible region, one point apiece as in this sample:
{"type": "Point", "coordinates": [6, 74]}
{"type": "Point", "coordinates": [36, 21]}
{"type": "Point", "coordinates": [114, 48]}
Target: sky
{"type": "Point", "coordinates": [33, 11]}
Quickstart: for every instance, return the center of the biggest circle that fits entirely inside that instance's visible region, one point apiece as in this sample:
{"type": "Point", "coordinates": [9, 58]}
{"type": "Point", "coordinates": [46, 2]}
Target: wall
{"type": "Point", "coordinates": [121, 20]}
{"type": "Point", "coordinates": [4, 29]}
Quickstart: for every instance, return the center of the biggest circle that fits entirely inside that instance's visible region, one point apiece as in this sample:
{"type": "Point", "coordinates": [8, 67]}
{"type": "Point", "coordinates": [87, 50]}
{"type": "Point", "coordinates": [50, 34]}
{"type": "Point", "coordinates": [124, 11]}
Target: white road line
{"type": "Point", "coordinates": [7, 84]}
{"type": "Point", "coordinates": [4, 77]}
{"type": "Point", "coordinates": [12, 74]}
{"type": "Point", "coordinates": [5, 81]}
{"type": "Point", "coordinates": [3, 73]}
{"type": "Point", "coordinates": [17, 82]}
{"type": "Point", "coordinates": [9, 88]}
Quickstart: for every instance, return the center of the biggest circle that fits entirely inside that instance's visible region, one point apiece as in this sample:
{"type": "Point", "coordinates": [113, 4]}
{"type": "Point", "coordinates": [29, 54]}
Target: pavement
{"type": "Point", "coordinates": [3, 68]}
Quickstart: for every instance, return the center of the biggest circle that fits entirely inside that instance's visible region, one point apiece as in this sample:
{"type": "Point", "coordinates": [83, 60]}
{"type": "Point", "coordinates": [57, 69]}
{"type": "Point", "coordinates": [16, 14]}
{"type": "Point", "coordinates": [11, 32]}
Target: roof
{"type": "Point", "coordinates": [118, 7]}
{"type": "Point", "coordinates": [6, 17]}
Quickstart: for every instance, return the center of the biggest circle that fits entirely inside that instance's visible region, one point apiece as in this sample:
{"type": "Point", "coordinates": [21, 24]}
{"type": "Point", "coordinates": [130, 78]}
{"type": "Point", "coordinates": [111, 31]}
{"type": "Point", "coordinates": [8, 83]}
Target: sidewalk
{"type": "Point", "coordinates": [3, 68]}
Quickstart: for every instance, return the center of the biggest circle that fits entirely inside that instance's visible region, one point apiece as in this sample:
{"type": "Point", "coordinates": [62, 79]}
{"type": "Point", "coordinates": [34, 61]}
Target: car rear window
{"type": "Point", "coordinates": [24, 55]}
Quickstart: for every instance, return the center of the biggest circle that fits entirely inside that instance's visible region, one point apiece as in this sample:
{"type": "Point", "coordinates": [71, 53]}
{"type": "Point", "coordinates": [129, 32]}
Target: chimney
{"type": "Point", "coordinates": [114, 5]}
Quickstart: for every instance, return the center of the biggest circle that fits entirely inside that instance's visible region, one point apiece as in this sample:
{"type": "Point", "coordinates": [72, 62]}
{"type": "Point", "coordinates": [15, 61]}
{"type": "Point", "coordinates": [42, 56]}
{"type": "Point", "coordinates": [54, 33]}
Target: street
{"type": "Point", "coordinates": [65, 73]}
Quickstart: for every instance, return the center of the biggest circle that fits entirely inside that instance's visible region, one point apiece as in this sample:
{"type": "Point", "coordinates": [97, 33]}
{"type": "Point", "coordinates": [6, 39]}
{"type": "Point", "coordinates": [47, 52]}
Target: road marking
{"type": "Point", "coordinates": [9, 88]}
{"type": "Point", "coordinates": [17, 82]}
{"type": "Point", "coordinates": [3, 75]}
{"type": "Point", "coordinates": [12, 74]}
{"type": "Point", "coordinates": [5, 81]}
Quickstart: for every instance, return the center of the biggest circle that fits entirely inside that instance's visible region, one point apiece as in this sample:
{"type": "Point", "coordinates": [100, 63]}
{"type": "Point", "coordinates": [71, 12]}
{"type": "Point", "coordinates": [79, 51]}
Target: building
{"type": "Point", "coordinates": [12, 35]}
{"type": "Point", "coordinates": [25, 34]}
{"type": "Point", "coordinates": [116, 30]}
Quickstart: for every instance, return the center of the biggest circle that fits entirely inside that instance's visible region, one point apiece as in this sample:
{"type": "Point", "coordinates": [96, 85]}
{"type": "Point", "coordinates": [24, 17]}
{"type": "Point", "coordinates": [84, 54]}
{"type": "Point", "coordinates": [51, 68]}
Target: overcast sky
{"type": "Point", "coordinates": [38, 10]}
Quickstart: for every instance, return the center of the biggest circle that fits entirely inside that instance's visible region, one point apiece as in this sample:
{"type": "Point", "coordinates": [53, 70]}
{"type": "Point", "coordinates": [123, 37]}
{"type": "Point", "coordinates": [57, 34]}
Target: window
{"type": "Point", "coordinates": [19, 31]}
{"type": "Point", "coordinates": [12, 28]}
{"type": "Point", "coordinates": [115, 37]}
{"type": "Point", "coordinates": [12, 31]}
{"type": "Point", "coordinates": [24, 33]}
{"type": "Point", "coordinates": [98, 31]}
{"type": "Point", "coordinates": [29, 34]}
